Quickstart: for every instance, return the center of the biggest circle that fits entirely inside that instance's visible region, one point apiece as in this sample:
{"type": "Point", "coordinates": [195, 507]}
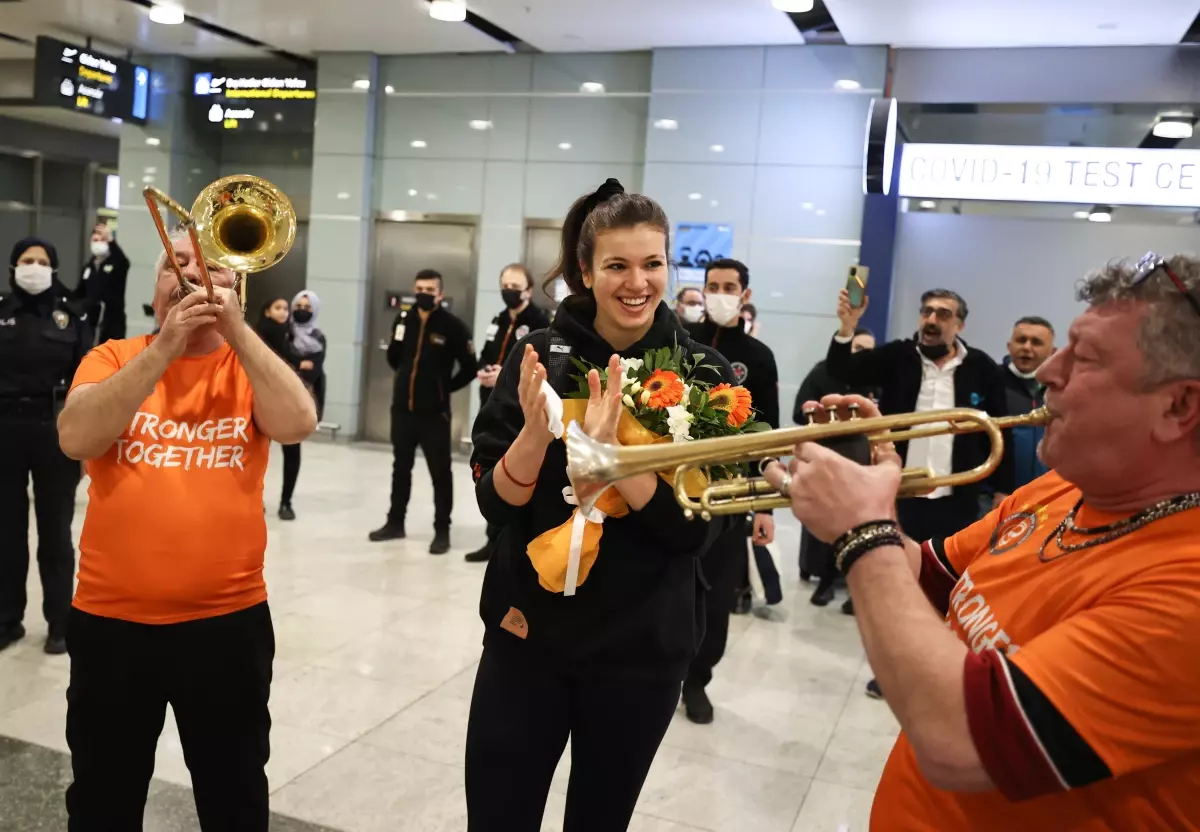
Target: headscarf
{"type": "Point", "coordinates": [305, 340]}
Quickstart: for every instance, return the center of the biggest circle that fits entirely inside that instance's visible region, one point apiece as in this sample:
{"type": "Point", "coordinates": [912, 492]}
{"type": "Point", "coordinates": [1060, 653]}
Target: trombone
{"type": "Point", "coordinates": [594, 466]}
{"type": "Point", "coordinates": [242, 223]}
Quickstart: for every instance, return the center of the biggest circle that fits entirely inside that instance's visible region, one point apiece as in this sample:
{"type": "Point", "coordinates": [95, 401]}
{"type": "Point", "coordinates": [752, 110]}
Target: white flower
{"type": "Point", "coordinates": [629, 368]}
{"type": "Point", "coordinates": [645, 396]}
{"type": "Point", "coordinates": [632, 364]}
{"type": "Point", "coordinates": [627, 400]}
{"type": "Point", "coordinates": [679, 422]}
{"type": "Point", "coordinates": [687, 393]}
{"type": "Point", "coordinates": [636, 388]}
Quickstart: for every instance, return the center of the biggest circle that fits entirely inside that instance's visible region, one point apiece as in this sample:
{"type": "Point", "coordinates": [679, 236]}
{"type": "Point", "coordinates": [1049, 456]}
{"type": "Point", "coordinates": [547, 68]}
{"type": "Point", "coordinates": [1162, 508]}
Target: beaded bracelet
{"type": "Point", "coordinates": [862, 539]}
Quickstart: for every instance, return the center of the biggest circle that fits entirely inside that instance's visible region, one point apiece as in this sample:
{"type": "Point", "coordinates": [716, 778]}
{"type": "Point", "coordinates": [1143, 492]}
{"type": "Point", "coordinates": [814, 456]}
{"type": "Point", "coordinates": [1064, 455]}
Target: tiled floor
{"type": "Point", "coordinates": [377, 645]}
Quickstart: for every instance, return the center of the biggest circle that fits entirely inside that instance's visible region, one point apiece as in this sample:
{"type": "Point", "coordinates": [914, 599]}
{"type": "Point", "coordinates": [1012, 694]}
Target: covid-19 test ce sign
{"type": "Point", "coordinates": [1085, 175]}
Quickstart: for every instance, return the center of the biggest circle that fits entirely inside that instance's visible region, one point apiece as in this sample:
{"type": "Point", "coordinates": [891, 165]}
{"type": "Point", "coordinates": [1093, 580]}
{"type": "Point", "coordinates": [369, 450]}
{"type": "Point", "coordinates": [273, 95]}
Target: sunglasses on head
{"type": "Point", "coordinates": [1151, 263]}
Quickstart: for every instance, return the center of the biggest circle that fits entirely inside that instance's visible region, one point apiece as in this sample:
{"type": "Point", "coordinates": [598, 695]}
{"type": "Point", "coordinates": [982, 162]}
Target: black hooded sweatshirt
{"type": "Point", "coordinates": [640, 614]}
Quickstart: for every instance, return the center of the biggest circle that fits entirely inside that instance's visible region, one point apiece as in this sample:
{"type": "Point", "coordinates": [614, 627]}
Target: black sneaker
{"type": "Point", "coordinates": [285, 512]}
{"type": "Point", "coordinates": [823, 594]}
{"type": "Point", "coordinates": [696, 706]}
{"type": "Point", "coordinates": [387, 532]}
{"type": "Point", "coordinates": [848, 607]}
{"type": "Point", "coordinates": [480, 555]}
{"type": "Point", "coordinates": [743, 603]}
{"type": "Point", "coordinates": [11, 635]}
{"type": "Point", "coordinates": [55, 646]}
{"type": "Point", "coordinates": [440, 544]}
{"type": "Point", "coordinates": [873, 690]}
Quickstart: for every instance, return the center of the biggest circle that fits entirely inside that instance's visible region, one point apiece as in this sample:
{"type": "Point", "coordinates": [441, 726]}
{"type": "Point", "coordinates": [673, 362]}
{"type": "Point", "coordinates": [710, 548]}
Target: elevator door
{"type": "Point", "coordinates": [401, 250]}
{"type": "Point", "coordinates": [542, 246]}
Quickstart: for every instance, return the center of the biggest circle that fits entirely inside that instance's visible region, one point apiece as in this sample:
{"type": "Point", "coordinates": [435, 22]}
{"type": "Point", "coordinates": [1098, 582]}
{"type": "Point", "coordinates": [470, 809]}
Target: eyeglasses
{"type": "Point", "coordinates": [939, 312]}
{"type": "Point", "coordinates": [1149, 264]}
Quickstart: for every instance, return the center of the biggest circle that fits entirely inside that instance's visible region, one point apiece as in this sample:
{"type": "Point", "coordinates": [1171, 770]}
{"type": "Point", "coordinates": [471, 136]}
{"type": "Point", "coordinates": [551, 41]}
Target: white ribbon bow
{"type": "Point", "coordinates": [578, 523]}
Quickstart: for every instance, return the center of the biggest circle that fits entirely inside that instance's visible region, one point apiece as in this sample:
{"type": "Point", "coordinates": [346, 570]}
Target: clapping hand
{"type": "Point", "coordinates": [604, 406]}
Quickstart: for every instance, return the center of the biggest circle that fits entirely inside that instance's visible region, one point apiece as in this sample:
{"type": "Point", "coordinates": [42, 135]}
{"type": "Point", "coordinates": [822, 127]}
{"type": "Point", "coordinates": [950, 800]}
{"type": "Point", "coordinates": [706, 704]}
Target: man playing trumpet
{"type": "Point", "coordinates": [171, 606]}
{"type": "Point", "coordinates": [1043, 663]}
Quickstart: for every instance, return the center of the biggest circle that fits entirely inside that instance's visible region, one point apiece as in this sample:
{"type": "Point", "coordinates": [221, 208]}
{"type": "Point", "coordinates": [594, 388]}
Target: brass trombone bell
{"type": "Point", "coordinates": [594, 466]}
{"type": "Point", "coordinates": [242, 223]}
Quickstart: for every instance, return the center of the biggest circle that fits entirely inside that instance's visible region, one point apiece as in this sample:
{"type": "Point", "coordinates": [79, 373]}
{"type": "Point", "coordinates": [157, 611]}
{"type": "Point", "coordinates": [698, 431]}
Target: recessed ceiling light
{"type": "Point", "coordinates": [431, 197]}
{"type": "Point", "coordinates": [717, 148]}
{"type": "Point", "coordinates": [362, 84]}
{"type": "Point", "coordinates": [807, 206]}
{"type": "Point", "coordinates": [153, 141]}
{"type": "Point", "coordinates": [1173, 128]}
{"type": "Point", "coordinates": [1081, 215]}
{"type": "Point", "coordinates": [343, 195]}
{"type": "Point", "coordinates": [793, 6]}
{"type": "Point", "coordinates": [167, 14]}
{"type": "Point", "coordinates": [412, 191]}
{"type": "Point", "coordinates": [150, 169]}
{"type": "Point", "coordinates": [146, 180]}
{"type": "Point", "coordinates": [279, 116]}
{"type": "Point", "coordinates": [715, 203]}
{"type": "Point", "coordinates": [592, 87]}
{"type": "Point", "coordinates": [389, 89]}
{"type": "Point", "coordinates": [1100, 215]}
{"type": "Point", "coordinates": [820, 212]}
{"type": "Point", "coordinates": [564, 145]}
{"type": "Point", "coordinates": [847, 84]}
{"type": "Point", "coordinates": [666, 124]}
{"type": "Point", "coordinates": [116, 120]}
{"type": "Point", "coordinates": [480, 124]}
{"type": "Point", "coordinates": [418, 143]}
{"type": "Point", "coordinates": [695, 196]}
{"type": "Point", "coordinates": [927, 204]}
{"type": "Point", "coordinates": [450, 11]}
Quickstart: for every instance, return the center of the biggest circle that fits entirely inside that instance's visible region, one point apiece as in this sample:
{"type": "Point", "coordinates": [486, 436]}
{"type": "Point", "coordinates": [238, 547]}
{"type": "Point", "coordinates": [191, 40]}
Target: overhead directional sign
{"type": "Point", "coordinates": [84, 80]}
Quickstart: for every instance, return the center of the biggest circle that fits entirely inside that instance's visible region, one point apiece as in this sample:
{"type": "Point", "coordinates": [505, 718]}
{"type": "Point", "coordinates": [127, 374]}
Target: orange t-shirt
{"type": "Point", "coordinates": [1109, 635]}
{"type": "Point", "coordinates": [174, 529]}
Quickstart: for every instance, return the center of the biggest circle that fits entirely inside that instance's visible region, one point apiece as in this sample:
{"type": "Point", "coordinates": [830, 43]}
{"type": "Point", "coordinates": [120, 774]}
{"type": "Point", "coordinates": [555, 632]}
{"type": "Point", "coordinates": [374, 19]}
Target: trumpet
{"type": "Point", "coordinates": [242, 223]}
{"type": "Point", "coordinates": [594, 466]}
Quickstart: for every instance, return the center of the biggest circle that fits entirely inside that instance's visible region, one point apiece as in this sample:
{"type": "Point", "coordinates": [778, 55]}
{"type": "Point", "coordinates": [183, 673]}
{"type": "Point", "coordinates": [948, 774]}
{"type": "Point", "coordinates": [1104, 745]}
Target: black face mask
{"type": "Point", "coordinates": [934, 351]}
{"type": "Point", "coordinates": [426, 303]}
{"type": "Point", "coordinates": [302, 316]}
{"type": "Point", "coordinates": [512, 297]}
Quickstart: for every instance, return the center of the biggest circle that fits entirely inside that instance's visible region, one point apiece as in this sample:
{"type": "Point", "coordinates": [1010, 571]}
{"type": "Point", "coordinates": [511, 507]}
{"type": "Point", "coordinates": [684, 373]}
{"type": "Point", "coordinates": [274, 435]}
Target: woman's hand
{"type": "Point", "coordinates": [533, 400]}
{"type": "Point", "coordinates": [604, 407]}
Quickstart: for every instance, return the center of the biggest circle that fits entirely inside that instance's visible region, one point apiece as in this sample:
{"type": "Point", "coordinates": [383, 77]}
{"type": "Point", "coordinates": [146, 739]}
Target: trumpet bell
{"type": "Point", "coordinates": [244, 223]}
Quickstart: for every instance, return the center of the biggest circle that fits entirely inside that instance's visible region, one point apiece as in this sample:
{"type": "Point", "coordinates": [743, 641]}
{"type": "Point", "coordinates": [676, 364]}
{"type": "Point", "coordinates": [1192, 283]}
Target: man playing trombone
{"type": "Point", "coordinates": [171, 606]}
{"type": "Point", "coordinates": [1043, 663]}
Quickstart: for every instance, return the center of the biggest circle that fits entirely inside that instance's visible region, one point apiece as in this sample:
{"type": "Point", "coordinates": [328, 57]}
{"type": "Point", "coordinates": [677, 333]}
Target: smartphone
{"type": "Point", "coordinates": [856, 285]}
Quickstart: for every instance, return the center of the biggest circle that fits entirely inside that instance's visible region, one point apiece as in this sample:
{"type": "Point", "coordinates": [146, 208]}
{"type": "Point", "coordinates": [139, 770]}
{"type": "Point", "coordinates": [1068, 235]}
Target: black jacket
{"type": "Point", "coordinates": [640, 614]}
{"type": "Point", "coordinates": [752, 361]}
{"type": "Point", "coordinates": [102, 287]}
{"type": "Point", "coordinates": [505, 331]}
{"type": "Point", "coordinates": [424, 352]}
{"type": "Point", "coordinates": [279, 338]}
{"type": "Point", "coordinates": [896, 370]}
{"type": "Point", "coordinates": [42, 340]}
{"type": "Point", "coordinates": [818, 384]}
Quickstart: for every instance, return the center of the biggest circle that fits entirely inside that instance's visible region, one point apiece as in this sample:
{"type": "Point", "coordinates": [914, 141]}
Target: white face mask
{"type": "Point", "coordinates": [99, 248]}
{"type": "Point", "coordinates": [693, 314]}
{"type": "Point", "coordinates": [34, 278]}
{"type": "Point", "coordinates": [723, 309]}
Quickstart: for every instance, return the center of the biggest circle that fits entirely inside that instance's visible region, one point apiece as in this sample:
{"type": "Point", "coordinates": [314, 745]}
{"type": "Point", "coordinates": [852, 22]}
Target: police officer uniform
{"type": "Point", "coordinates": [726, 564]}
{"type": "Point", "coordinates": [503, 333]}
{"type": "Point", "coordinates": [102, 287]}
{"type": "Point", "coordinates": [43, 336]}
{"type": "Point", "coordinates": [424, 352]}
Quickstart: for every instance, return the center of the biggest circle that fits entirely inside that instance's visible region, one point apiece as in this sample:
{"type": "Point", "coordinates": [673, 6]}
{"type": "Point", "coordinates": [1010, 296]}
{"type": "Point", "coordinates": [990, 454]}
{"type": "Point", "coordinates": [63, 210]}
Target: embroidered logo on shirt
{"type": "Point", "coordinates": [1013, 531]}
{"type": "Point", "coordinates": [437, 339]}
{"type": "Point", "coordinates": [976, 399]}
{"type": "Point", "coordinates": [740, 371]}
{"type": "Point", "coordinates": [515, 623]}
{"type": "Point", "coordinates": [61, 319]}
{"type": "Point", "coordinates": [521, 332]}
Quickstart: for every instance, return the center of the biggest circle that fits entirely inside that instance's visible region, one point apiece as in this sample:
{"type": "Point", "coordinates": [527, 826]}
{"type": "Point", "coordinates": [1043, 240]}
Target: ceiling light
{"type": "Point", "coordinates": [412, 191]}
{"type": "Point", "coordinates": [153, 141]}
{"type": "Point", "coordinates": [820, 212]}
{"type": "Point", "coordinates": [717, 148]}
{"type": "Point", "coordinates": [450, 11]}
{"type": "Point", "coordinates": [666, 124]}
{"type": "Point", "coordinates": [362, 84]}
{"type": "Point", "coordinates": [807, 206]}
{"type": "Point", "coordinates": [166, 14]}
{"type": "Point", "coordinates": [116, 120]}
{"type": "Point", "coordinates": [592, 87]}
{"type": "Point", "coordinates": [694, 196]}
{"type": "Point", "coordinates": [847, 84]}
{"type": "Point", "coordinates": [480, 124]}
{"type": "Point", "coordinates": [564, 145]}
{"type": "Point", "coordinates": [1100, 215]}
{"type": "Point", "coordinates": [431, 197]}
{"type": "Point", "coordinates": [927, 204]}
{"type": "Point", "coordinates": [793, 6]}
{"type": "Point", "coordinates": [389, 89]}
{"type": "Point", "coordinates": [1173, 128]}
{"type": "Point", "coordinates": [343, 195]}
{"type": "Point", "coordinates": [279, 116]}
{"type": "Point", "coordinates": [1081, 215]}
{"type": "Point", "coordinates": [715, 203]}
{"type": "Point", "coordinates": [418, 143]}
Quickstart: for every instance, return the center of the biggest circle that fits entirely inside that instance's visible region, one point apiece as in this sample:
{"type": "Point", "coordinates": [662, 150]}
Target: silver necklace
{"type": "Point", "coordinates": [1111, 531]}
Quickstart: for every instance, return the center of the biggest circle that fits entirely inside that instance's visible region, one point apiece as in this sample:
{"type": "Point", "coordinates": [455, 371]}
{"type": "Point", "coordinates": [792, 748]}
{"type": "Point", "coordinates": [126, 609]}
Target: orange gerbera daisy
{"type": "Point", "coordinates": [733, 401]}
{"type": "Point", "coordinates": [663, 389]}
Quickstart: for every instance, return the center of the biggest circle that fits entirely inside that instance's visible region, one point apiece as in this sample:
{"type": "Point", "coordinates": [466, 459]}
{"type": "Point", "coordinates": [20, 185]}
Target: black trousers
{"type": "Point", "coordinates": [521, 716]}
{"type": "Point", "coordinates": [924, 519]}
{"type": "Point", "coordinates": [430, 431]}
{"type": "Point", "coordinates": [215, 673]}
{"type": "Point", "coordinates": [291, 471]}
{"type": "Point", "coordinates": [726, 567]}
{"type": "Point", "coordinates": [30, 447]}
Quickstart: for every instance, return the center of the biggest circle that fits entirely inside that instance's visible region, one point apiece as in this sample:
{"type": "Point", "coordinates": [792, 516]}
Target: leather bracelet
{"type": "Point", "coordinates": [862, 539]}
{"type": "Point", "coordinates": [514, 480]}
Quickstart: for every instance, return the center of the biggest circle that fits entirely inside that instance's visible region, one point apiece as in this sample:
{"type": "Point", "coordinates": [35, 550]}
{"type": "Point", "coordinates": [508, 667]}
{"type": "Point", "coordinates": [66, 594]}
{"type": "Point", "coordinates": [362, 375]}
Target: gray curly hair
{"type": "Point", "coordinates": [1170, 333]}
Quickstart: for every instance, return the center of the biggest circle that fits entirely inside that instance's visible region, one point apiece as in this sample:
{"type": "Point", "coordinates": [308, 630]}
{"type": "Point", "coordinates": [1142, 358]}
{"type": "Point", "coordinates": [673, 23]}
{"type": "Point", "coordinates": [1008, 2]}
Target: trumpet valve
{"type": "Point", "coordinates": [853, 408]}
{"type": "Point", "coordinates": [810, 413]}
